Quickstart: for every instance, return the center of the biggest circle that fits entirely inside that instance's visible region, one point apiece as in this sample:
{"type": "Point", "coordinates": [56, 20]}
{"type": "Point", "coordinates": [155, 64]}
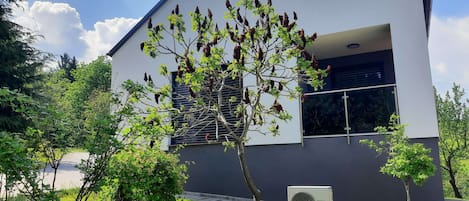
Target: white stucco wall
{"type": "Point", "coordinates": [411, 61]}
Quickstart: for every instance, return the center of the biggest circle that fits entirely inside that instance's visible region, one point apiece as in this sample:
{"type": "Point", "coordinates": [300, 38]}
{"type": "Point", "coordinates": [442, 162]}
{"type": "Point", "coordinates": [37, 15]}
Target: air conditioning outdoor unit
{"type": "Point", "coordinates": [309, 193]}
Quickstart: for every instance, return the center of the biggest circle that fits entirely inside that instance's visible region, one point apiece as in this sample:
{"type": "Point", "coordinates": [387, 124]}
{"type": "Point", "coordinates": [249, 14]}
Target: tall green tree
{"type": "Point", "coordinates": [408, 162]}
{"type": "Point", "coordinates": [20, 64]}
{"type": "Point", "coordinates": [453, 123]}
{"type": "Point", "coordinates": [253, 41]}
{"type": "Point", "coordinates": [68, 64]}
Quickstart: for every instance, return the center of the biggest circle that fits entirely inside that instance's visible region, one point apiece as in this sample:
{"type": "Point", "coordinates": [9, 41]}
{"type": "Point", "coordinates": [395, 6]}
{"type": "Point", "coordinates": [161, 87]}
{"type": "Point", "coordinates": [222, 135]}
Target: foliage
{"type": "Point", "coordinates": [141, 173]}
{"type": "Point", "coordinates": [68, 65]}
{"type": "Point", "coordinates": [256, 43]}
{"type": "Point", "coordinates": [19, 169]}
{"type": "Point", "coordinates": [406, 162]}
{"type": "Point", "coordinates": [453, 123]}
{"type": "Point", "coordinates": [90, 79]}
{"type": "Point", "coordinates": [19, 67]}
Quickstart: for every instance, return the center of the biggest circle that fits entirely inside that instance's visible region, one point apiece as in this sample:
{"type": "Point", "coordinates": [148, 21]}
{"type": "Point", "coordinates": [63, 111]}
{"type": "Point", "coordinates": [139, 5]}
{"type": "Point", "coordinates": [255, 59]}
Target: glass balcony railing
{"type": "Point", "coordinates": [348, 111]}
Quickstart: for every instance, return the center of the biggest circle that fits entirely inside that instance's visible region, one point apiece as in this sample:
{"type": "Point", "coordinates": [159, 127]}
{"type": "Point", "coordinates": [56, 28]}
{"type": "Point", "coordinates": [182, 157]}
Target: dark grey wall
{"type": "Point", "coordinates": [352, 170]}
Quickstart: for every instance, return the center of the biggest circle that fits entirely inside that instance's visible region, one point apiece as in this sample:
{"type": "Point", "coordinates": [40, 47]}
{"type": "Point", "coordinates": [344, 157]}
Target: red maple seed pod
{"type": "Point", "coordinates": [149, 79]}
{"type": "Point", "coordinates": [210, 83]}
{"type": "Point", "coordinates": [199, 45]}
{"type": "Point", "coordinates": [252, 31]}
{"type": "Point", "coordinates": [242, 37]}
{"type": "Point", "coordinates": [314, 36]}
{"type": "Point", "coordinates": [142, 46]}
{"type": "Point", "coordinates": [216, 28]}
{"type": "Point", "coordinates": [237, 53]}
{"type": "Point", "coordinates": [286, 21]}
{"type": "Point", "coordinates": [260, 55]}
{"type": "Point", "coordinates": [157, 98]}
{"type": "Point", "coordinates": [215, 40]}
{"type": "Point", "coordinates": [149, 25]}
{"type": "Point", "coordinates": [280, 86]}
{"type": "Point", "coordinates": [257, 3]}
{"type": "Point", "coordinates": [228, 4]}
{"type": "Point", "coordinates": [145, 77]}
{"type": "Point", "coordinates": [207, 50]}
{"type": "Point", "coordinates": [197, 11]}
{"type": "Point", "coordinates": [290, 26]}
{"type": "Point", "coordinates": [277, 127]}
{"type": "Point", "coordinates": [238, 16]}
{"type": "Point", "coordinates": [192, 93]}
{"type": "Point", "coordinates": [280, 17]}
{"type": "Point", "coordinates": [210, 15]}
{"type": "Point", "coordinates": [232, 36]}
{"type": "Point", "coordinates": [277, 106]}
{"type": "Point", "coordinates": [314, 62]}
{"type": "Point", "coordinates": [236, 28]}
{"type": "Point", "coordinates": [295, 16]}
{"type": "Point", "coordinates": [189, 66]}
{"type": "Point", "coordinates": [227, 26]}
{"type": "Point", "coordinates": [204, 23]}
{"type": "Point", "coordinates": [269, 32]}
{"type": "Point", "coordinates": [176, 10]}
{"type": "Point", "coordinates": [273, 70]}
{"type": "Point", "coordinates": [157, 29]}
{"type": "Point", "coordinates": [246, 96]}
{"type": "Point", "coordinates": [246, 23]}
{"type": "Point", "coordinates": [272, 83]}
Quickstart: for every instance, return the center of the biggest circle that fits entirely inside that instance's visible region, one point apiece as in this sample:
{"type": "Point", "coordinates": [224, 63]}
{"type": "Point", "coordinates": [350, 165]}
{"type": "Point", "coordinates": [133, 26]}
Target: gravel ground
{"type": "Point", "coordinates": [68, 175]}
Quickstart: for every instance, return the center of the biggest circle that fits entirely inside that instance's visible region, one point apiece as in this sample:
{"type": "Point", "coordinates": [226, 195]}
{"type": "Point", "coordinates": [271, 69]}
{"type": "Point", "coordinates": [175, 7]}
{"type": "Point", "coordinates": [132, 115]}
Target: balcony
{"type": "Point", "coordinates": [347, 112]}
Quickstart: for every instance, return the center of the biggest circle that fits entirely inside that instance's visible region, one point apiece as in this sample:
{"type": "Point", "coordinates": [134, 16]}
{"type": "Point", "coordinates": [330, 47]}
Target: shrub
{"type": "Point", "coordinates": [144, 174]}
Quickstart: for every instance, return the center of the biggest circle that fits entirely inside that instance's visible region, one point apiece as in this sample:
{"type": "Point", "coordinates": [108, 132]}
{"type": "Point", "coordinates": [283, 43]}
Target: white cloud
{"type": "Point", "coordinates": [105, 35]}
{"type": "Point", "coordinates": [62, 30]}
{"type": "Point", "coordinates": [449, 52]}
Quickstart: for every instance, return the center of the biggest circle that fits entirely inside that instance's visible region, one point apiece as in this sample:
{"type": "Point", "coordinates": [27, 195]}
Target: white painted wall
{"type": "Point", "coordinates": [406, 18]}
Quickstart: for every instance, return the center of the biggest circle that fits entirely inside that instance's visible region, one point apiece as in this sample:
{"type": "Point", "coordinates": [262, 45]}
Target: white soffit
{"type": "Point", "coordinates": [371, 39]}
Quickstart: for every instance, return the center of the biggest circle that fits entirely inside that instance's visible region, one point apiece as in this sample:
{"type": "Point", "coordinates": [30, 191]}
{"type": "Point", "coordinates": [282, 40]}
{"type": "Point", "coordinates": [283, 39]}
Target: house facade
{"type": "Point", "coordinates": [379, 53]}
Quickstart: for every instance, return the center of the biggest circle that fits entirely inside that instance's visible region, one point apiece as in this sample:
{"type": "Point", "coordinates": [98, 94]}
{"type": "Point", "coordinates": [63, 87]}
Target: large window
{"type": "Point", "coordinates": [207, 130]}
{"type": "Point", "coordinates": [359, 94]}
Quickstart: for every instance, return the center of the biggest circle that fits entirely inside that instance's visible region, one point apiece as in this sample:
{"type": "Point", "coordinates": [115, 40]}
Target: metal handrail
{"type": "Point", "coordinates": [350, 89]}
{"type": "Point", "coordinates": [345, 99]}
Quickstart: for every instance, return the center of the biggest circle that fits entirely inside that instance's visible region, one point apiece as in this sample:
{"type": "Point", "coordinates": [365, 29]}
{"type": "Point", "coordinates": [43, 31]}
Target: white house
{"type": "Point", "coordinates": [379, 53]}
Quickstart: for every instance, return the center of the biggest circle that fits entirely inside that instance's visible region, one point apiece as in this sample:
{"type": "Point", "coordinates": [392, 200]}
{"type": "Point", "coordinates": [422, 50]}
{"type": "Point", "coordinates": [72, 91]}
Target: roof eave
{"type": "Point", "coordinates": [427, 6]}
{"type": "Point", "coordinates": [135, 28]}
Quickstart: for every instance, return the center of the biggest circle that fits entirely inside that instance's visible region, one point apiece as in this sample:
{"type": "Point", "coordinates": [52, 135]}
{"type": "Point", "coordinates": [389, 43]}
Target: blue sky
{"type": "Point", "coordinates": [451, 8]}
{"type": "Point", "coordinates": [99, 10]}
{"type": "Point", "coordinates": [87, 29]}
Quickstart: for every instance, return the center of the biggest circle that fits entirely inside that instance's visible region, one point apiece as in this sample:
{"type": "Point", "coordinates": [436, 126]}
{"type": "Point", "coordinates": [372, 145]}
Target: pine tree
{"type": "Point", "coordinates": [19, 66]}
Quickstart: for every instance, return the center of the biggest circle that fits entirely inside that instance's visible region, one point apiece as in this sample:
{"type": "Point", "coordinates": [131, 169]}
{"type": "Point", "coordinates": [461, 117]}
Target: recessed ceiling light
{"type": "Point", "coordinates": [353, 45]}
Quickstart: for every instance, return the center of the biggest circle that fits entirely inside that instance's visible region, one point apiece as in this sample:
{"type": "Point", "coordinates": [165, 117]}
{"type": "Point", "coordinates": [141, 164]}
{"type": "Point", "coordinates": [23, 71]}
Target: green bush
{"type": "Point", "coordinates": [144, 174]}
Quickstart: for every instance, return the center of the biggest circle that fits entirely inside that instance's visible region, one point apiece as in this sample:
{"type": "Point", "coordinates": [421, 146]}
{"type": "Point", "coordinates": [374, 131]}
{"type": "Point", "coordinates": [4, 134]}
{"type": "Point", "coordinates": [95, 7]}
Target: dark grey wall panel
{"type": "Point", "coordinates": [352, 170]}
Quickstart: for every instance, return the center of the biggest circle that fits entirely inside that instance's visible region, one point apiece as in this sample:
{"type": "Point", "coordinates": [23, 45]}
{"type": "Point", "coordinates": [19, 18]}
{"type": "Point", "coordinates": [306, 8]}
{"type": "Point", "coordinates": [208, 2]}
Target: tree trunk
{"type": "Point", "coordinates": [407, 189]}
{"type": "Point", "coordinates": [452, 179]}
{"type": "Point", "coordinates": [455, 188]}
{"type": "Point", "coordinates": [256, 193]}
